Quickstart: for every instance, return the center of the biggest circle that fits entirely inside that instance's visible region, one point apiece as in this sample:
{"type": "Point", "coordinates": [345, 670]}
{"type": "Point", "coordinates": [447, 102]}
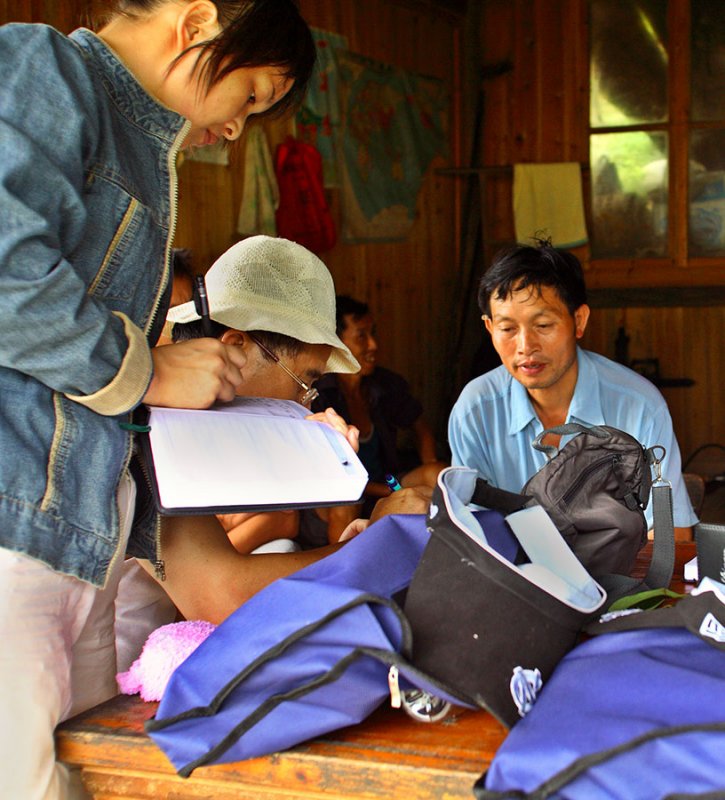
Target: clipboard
{"type": "Point", "coordinates": [253, 454]}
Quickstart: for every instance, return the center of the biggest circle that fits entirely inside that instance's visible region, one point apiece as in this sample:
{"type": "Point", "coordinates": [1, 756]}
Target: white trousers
{"type": "Point", "coordinates": [142, 606]}
{"type": "Point", "coordinates": [58, 658]}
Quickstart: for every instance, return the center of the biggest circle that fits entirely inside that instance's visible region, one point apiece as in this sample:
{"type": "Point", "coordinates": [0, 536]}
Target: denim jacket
{"type": "Point", "coordinates": [88, 200]}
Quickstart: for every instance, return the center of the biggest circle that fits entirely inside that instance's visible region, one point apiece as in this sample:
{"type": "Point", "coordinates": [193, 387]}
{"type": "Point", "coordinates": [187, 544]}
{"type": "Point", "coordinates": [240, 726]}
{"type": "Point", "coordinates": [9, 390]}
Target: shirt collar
{"type": "Point", "coordinates": [122, 86]}
{"type": "Point", "coordinates": [522, 411]}
{"type": "Point", "coordinates": [585, 406]}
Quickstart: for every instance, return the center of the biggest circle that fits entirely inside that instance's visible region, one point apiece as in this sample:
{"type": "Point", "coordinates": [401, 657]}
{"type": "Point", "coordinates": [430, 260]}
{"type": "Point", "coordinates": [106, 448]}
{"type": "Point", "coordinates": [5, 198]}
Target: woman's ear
{"type": "Point", "coordinates": [198, 22]}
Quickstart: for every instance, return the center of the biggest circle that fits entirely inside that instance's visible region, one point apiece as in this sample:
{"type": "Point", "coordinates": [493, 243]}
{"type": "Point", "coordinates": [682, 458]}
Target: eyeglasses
{"type": "Point", "coordinates": [310, 393]}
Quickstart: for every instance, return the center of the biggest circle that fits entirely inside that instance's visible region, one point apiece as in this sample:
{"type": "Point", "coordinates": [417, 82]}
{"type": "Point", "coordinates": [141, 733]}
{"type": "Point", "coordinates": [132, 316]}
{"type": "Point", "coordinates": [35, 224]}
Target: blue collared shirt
{"type": "Point", "coordinates": [493, 424]}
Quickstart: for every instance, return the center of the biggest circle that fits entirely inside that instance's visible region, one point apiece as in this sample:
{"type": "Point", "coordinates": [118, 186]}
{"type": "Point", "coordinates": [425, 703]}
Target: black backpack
{"type": "Point", "coordinates": [595, 489]}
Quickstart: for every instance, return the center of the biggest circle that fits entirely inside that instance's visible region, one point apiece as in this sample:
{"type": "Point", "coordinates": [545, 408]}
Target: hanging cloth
{"type": "Point", "coordinates": [548, 203]}
{"type": "Point", "coordinates": [260, 193]}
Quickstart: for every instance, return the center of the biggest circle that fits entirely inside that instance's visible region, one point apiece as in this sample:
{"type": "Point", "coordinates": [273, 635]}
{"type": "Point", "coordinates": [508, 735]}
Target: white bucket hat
{"type": "Point", "coordinates": [268, 284]}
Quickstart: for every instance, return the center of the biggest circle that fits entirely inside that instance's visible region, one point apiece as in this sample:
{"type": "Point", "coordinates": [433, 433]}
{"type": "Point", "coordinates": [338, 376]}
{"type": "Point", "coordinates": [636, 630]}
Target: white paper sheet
{"type": "Point", "coordinates": [249, 453]}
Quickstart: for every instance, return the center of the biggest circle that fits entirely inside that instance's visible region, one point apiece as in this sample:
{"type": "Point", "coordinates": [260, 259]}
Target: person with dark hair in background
{"type": "Point", "coordinates": [379, 403]}
{"type": "Point", "coordinates": [534, 306]}
{"type": "Point", "coordinates": [182, 286]}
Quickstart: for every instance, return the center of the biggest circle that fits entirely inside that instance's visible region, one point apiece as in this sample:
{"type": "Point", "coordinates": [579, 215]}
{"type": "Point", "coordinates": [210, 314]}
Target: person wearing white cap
{"type": "Point", "coordinates": [274, 301]}
{"type": "Point", "coordinates": [262, 286]}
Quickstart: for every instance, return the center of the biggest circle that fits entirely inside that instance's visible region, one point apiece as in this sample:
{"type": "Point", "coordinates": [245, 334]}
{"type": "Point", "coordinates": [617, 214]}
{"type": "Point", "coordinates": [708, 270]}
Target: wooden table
{"type": "Point", "coordinates": [387, 756]}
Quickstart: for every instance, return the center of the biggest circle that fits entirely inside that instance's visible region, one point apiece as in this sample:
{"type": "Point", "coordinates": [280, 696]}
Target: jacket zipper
{"type": "Point", "coordinates": [158, 562]}
{"type": "Point", "coordinates": [173, 214]}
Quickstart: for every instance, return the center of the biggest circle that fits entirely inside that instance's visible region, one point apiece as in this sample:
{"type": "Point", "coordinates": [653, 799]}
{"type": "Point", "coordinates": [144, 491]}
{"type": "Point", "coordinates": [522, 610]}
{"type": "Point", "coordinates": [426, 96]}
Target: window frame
{"type": "Point", "coordinates": [677, 268]}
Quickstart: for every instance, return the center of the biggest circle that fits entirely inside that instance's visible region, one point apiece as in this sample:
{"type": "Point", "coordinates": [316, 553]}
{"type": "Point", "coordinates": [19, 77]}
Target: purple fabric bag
{"type": "Point", "coordinates": [309, 654]}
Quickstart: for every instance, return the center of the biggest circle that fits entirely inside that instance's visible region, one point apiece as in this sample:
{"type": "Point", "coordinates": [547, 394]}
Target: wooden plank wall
{"type": "Point", "coordinates": [538, 112]}
{"type": "Point", "coordinates": [65, 15]}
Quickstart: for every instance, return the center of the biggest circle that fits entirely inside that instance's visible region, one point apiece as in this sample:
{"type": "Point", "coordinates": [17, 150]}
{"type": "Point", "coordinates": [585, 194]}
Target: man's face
{"type": "Point", "coordinates": [535, 336]}
{"type": "Point", "coordinates": [359, 336]}
{"type": "Point", "coordinates": [262, 377]}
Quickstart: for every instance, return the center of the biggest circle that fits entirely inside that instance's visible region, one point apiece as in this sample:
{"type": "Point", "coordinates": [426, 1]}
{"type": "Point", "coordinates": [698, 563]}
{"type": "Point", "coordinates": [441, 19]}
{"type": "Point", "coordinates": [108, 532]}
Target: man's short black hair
{"type": "Point", "coordinates": [525, 266]}
{"type": "Point", "coordinates": [348, 306]}
{"type": "Point", "coordinates": [276, 342]}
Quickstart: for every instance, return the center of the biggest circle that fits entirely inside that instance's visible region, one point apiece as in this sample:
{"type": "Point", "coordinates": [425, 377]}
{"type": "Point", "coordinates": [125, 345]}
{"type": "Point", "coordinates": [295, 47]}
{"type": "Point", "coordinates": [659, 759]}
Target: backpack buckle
{"type": "Point", "coordinates": [657, 465]}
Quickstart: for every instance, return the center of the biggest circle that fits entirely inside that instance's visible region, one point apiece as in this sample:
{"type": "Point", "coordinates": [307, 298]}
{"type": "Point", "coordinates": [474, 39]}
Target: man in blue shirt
{"type": "Point", "coordinates": [534, 306]}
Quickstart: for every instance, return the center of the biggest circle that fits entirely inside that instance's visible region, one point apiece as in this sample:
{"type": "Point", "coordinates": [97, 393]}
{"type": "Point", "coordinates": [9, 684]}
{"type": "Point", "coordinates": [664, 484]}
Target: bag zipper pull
{"type": "Point", "coordinates": [396, 698]}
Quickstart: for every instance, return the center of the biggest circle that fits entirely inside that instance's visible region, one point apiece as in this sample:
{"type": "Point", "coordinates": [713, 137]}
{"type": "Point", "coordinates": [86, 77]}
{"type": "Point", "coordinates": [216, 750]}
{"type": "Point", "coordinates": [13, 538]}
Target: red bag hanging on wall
{"type": "Point", "coordinates": [303, 215]}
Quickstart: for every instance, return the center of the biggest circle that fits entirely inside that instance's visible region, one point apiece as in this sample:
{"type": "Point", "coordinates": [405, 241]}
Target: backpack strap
{"type": "Point", "coordinates": [568, 429]}
{"type": "Point", "coordinates": [661, 567]}
{"type": "Point", "coordinates": [663, 547]}
{"type": "Point", "coordinates": [498, 499]}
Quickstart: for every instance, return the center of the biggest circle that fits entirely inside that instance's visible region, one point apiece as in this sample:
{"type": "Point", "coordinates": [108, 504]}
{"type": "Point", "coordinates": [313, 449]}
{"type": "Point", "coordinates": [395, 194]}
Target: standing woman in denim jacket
{"type": "Point", "coordinates": [90, 126]}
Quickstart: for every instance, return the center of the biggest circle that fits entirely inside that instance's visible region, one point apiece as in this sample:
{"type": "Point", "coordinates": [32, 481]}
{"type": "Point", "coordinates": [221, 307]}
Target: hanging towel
{"type": "Point", "coordinates": [260, 193]}
{"type": "Point", "coordinates": [548, 203]}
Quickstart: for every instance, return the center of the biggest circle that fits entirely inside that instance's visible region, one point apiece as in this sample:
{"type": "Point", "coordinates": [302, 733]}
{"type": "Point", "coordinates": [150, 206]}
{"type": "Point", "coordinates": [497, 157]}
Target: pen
{"type": "Point", "coordinates": [392, 482]}
{"type": "Point", "coordinates": [201, 301]}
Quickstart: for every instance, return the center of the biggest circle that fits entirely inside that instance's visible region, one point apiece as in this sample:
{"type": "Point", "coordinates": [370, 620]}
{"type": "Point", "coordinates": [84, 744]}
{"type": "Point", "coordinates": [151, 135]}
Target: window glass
{"type": "Point", "coordinates": [628, 64]}
{"type": "Point", "coordinates": [707, 193]}
{"type": "Point", "coordinates": [629, 194]}
{"type": "Point", "coordinates": [708, 59]}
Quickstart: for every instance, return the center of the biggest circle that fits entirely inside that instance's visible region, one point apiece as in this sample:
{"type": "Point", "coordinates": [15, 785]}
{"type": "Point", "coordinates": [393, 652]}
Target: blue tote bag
{"type": "Point", "coordinates": [636, 713]}
{"type": "Point", "coordinates": [308, 654]}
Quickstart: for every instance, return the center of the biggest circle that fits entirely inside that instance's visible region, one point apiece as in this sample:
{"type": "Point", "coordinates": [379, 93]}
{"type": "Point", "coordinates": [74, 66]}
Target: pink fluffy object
{"type": "Point", "coordinates": [164, 650]}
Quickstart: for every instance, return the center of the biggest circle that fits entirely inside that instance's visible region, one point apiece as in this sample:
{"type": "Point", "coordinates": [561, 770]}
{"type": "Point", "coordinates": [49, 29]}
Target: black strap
{"type": "Point", "coordinates": [498, 499]}
{"type": "Point", "coordinates": [661, 566]}
{"type": "Point", "coordinates": [663, 548]}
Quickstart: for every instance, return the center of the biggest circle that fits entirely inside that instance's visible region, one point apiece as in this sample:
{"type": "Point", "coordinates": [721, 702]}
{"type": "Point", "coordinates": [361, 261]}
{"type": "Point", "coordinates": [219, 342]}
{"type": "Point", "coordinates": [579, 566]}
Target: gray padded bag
{"type": "Point", "coordinates": [595, 489]}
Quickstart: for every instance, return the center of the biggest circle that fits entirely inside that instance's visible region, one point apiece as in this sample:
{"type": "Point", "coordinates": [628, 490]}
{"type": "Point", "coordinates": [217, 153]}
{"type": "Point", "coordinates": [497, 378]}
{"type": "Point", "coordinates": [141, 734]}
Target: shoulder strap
{"type": "Point", "coordinates": [498, 499]}
{"type": "Point", "coordinates": [567, 429]}
{"type": "Point", "coordinates": [659, 573]}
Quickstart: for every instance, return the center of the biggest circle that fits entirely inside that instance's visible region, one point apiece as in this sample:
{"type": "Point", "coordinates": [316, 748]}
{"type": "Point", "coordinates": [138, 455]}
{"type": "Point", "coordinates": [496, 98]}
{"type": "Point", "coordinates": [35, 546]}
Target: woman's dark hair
{"type": "Point", "coordinates": [525, 266]}
{"type": "Point", "coordinates": [255, 33]}
{"type": "Point", "coordinates": [278, 343]}
{"type": "Point", "coordinates": [181, 258]}
{"type": "Point", "coordinates": [348, 306]}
